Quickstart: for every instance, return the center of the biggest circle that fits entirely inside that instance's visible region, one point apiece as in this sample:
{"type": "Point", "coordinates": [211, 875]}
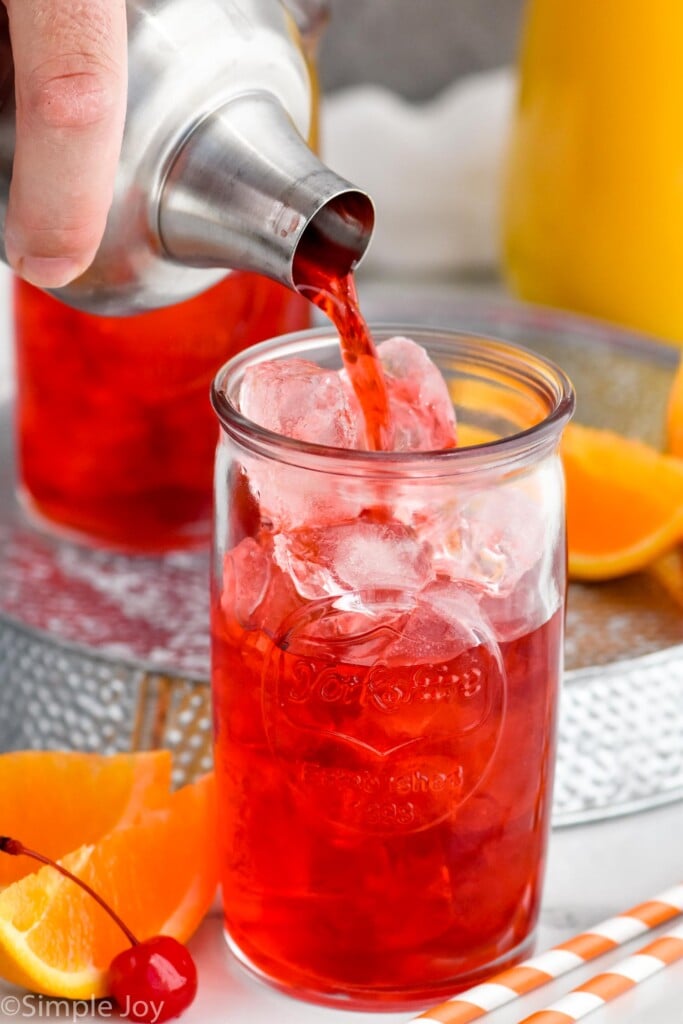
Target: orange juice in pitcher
{"type": "Point", "coordinates": [593, 207]}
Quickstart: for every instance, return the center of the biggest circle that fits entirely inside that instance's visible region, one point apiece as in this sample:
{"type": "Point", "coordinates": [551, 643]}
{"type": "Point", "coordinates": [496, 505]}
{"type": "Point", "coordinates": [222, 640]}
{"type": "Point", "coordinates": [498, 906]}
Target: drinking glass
{"type": "Point", "coordinates": [386, 653]}
{"type": "Point", "coordinates": [115, 434]}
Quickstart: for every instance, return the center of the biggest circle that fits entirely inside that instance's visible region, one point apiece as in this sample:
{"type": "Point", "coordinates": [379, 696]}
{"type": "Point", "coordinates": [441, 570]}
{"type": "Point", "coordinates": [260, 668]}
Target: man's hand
{"type": "Point", "coordinates": [70, 84]}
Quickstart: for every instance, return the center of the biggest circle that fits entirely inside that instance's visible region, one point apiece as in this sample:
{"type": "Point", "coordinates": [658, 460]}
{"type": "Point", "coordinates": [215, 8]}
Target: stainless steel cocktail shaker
{"type": "Point", "coordinates": [215, 172]}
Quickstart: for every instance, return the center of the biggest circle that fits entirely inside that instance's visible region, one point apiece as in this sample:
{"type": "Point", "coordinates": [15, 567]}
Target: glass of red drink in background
{"type": "Point", "coordinates": [115, 433]}
{"type": "Point", "coordinates": [387, 644]}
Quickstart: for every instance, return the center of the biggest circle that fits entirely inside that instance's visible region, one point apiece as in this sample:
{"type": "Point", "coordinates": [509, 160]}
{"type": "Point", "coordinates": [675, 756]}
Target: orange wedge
{"type": "Point", "coordinates": [624, 503]}
{"type": "Point", "coordinates": [159, 872]}
{"type": "Point", "coordinates": [55, 801]}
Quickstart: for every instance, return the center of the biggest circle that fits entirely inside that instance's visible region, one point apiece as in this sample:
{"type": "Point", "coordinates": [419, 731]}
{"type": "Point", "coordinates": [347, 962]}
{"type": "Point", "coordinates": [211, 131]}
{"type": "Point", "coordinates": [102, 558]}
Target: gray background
{"type": "Point", "coordinates": [416, 47]}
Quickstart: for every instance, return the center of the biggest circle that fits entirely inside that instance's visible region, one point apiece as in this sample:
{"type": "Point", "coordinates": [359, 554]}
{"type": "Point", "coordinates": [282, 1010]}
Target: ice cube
{"type": "Point", "coordinates": [246, 573]}
{"type": "Point", "coordinates": [491, 539]}
{"type": "Point", "coordinates": [289, 496]}
{"type": "Point", "coordinates": [303, 401]}
{"type": "Point", "coordinates": [421, 407]}
{"type": "Point", "coordinates": [445, 622]}
{"type": "Point", "coordinates": [300, 400]}
{"type": "Point", "coordinates": [353, 556]}
{"type": "Point", "coordinates": [503, 543]}
{"type": "Point", "coordinates": [256, 593]}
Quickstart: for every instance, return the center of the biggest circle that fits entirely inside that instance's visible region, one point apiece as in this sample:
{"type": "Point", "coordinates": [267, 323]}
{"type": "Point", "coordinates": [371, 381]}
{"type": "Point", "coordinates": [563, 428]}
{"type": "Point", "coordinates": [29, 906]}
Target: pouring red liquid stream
{"type": "Point", "coordinates": [336, 295]}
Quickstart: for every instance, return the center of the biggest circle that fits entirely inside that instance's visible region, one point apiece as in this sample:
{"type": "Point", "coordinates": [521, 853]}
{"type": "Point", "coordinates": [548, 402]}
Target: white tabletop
{"type": "Point", "coordinates": [594, 871]}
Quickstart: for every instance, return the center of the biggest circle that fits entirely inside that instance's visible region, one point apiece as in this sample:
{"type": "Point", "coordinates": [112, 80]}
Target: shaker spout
{"type": "Point", "coordinates": [214, 174]}
{"type": "Point", "coordinates": [246, 191]}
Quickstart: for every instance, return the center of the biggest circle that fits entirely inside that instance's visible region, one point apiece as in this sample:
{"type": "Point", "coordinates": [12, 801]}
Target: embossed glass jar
{"type": "Point", "coordinates": [387, 635]}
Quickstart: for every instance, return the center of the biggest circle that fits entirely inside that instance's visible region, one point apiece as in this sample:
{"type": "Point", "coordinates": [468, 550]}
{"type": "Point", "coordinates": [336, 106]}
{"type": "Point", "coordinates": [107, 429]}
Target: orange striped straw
{"type": "Point", "coordinates": [603, 988]}
{"type": "Point", "coordinates": [539, 970]}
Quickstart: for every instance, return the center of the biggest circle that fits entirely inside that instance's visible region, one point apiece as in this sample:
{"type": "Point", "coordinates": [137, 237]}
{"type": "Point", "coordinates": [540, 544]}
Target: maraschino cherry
{"type": "Point", "coordinates": [155, 979]}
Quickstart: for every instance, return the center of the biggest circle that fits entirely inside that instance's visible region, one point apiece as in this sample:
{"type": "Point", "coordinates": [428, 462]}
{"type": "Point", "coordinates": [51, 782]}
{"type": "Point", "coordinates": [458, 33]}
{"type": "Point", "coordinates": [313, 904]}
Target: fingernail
{"type": "Point", "coordinates": [47, 271]}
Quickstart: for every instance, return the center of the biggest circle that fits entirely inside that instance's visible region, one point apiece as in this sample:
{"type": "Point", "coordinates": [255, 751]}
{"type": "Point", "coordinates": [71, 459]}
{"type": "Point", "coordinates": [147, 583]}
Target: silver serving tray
{"type": "Point", "coordinates": [100, 651]}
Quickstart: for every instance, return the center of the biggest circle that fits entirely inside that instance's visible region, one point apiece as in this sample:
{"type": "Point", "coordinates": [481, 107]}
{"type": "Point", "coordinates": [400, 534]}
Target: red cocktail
{"type": "Point", "coordinates": [116, 437]}
{"type": "Point", "coordinates": [387, 631]}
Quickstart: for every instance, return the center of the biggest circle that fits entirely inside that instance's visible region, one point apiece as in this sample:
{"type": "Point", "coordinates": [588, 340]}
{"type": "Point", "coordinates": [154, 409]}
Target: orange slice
{"type": "Point", "coordinates": [159, 874]}
{"type": "Point", "coordinates": [624, 503]}
{"type": "Point", "coordinates": [55, 801]}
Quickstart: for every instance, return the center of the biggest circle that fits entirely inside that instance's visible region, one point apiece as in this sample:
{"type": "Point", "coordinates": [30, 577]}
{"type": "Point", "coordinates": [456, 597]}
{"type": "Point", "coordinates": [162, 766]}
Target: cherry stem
{"type": "Point", "coordinates": [17, 849]}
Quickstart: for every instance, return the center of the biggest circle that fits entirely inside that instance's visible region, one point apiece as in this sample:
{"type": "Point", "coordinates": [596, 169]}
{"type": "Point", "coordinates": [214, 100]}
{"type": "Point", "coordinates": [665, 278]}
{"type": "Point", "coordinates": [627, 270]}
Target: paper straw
{"type": "Point", "coordinates": [603, 988]}
{"type": "Point", "coordinates": [539, 970]}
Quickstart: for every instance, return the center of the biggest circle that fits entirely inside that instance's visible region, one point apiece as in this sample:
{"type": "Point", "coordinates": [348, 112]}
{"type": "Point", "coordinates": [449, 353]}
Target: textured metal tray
{"type": "Point", "coordinates": [101, 651]}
